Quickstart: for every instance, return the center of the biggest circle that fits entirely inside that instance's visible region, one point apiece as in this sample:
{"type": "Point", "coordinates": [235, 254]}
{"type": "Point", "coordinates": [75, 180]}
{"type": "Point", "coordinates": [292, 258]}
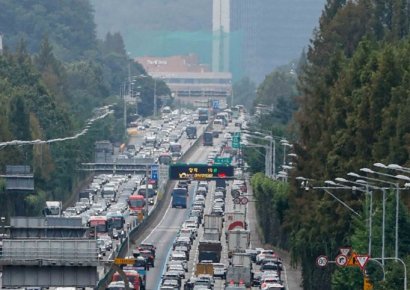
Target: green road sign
{"type": "Point", "coordinates": [236, 140]}
{"type": "Point", "coordinates": [223, 160]}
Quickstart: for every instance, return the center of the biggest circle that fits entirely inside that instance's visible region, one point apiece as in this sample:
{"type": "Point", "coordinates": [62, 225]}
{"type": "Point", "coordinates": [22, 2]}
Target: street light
{"type": "Point", "coordinates": [367, 185]}
{"type": "Point", "coordinates": [401, 177]}
{"type": "Point", "coordinates": [267, 156]}
{"type": "Point", "coordinates": [384, 202]}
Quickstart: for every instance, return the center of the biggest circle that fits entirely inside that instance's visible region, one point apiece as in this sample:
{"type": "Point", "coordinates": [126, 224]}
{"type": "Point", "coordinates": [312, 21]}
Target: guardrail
{"type": "Point", "coordinates": [166, 198]}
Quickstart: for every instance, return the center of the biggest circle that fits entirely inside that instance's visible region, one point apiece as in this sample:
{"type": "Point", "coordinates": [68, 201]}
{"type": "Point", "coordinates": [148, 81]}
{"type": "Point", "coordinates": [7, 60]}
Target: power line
{"type": "Point", "coordinates": [100, 113]}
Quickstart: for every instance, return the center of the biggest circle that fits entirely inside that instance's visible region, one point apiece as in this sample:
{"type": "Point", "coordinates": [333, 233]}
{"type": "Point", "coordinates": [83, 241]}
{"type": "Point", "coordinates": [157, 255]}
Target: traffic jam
{"type": "Point", "coordinates": [212, 248]}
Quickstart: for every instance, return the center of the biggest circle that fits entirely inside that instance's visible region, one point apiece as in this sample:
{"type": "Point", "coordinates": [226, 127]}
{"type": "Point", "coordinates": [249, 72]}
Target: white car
{"type": "Point", "coordinates": [219, 270]}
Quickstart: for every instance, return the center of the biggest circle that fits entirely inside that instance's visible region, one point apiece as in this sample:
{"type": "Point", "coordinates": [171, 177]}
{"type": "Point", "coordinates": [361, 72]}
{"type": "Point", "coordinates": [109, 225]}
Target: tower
{"type": "Point", "coordinates": [220, 35]}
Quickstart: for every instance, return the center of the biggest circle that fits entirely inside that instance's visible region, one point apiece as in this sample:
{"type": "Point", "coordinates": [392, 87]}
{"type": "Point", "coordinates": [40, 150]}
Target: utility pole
{"type": "Point", "coordinates": [146, 191]}
{"type": "Point", "coordinates": [155, 98]}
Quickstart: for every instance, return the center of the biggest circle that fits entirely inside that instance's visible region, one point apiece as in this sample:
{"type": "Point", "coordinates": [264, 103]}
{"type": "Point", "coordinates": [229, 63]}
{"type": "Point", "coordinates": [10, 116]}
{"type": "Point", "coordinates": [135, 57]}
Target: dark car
{"type": "Point", "coordinates": [149, 257]}
{"type": "Point", "coordinates": [147, 246]}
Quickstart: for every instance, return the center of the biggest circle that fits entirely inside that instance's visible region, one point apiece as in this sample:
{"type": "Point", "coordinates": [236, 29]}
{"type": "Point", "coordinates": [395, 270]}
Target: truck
{"type": "Point", "coordinates": [53, 208]}
{"type": "Point", "coordinates": [203, 115]}
{"type": "Point", "coordinates": [241, 259]}
{"type": "Point", "coordinates": [150, 140]}
{"type": "Point", "coordinates": [238, 275]}
{"type": "Point", "coordinates": [238, 241]}
{"type": "Point", "coordinates": [204, 269]}
{"type": "Point", "coordinates": [235, 220]}
{"type": "Point", "coordinates": [208, 139]}
{"type": "Point", "coordinates": [209, 251]}
{"type": "Point", "coordinates": [211, 234]}
{"type": "Point", "coordinates": [179, 197]}
{"type": "Point", "coordinates": [109, 192]}
{"type": "Point", "coordinates": [191, 132]}
{"type": "Point", "coordinates": [213, 221]}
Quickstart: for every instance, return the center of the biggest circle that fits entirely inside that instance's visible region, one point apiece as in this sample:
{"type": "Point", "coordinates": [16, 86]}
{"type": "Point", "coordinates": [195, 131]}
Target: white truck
{"type": "Point", "coordinates": [212, 221]}
{"type": "Point", "coordinates": [238, 275]}
{"type": "Point", "coordinates": [235, 220]}
{"type": "Point", "coordinates": [238, 241]}
{"type": "Point", "coordinates": [53, 208]}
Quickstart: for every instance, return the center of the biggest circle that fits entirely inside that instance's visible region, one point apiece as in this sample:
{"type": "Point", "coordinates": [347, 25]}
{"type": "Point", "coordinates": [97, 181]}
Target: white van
{"type": "Point", "coordinates": [218, 126]}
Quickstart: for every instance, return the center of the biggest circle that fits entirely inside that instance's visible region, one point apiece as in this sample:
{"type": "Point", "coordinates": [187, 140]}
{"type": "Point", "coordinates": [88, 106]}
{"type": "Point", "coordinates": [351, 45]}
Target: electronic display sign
{"type": "Point", "coordinates": [200, 171]}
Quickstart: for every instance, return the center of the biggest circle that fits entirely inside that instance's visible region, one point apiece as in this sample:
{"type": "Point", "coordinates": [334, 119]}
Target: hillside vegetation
{"type": "Point", "coordinates": [354, 94]}
{"type": "Point", "coordinates": [53, 73]}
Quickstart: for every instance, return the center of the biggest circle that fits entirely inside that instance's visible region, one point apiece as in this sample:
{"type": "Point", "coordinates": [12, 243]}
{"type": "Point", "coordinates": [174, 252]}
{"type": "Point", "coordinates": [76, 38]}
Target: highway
{"type": "Point", "coordinates": [165, 232]}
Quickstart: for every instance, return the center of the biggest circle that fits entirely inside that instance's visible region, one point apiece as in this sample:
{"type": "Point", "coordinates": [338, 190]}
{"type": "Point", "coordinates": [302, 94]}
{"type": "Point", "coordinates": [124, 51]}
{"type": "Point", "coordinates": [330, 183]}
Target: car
{"type": "Point", "coordinates": [149, 257]}
{"type": "Point", "coordinates": [171, 275]}
{"type": "Point", "coordinates": [171, 282]}
{"type": "Point", "coordinates": [270, 267]}
{"type": "Point", "coordinates": [219, 270]}
{"type": "Point", "coordinates": [184, 265]}
{"type": "Point", "coordinates": [272, 286]}
{"type": "Point", "coordinates": [178, 269]}
{"type": "Point", "coordinates": [202, 190]}
{"type": "Point", "coordinates": [147, 246]}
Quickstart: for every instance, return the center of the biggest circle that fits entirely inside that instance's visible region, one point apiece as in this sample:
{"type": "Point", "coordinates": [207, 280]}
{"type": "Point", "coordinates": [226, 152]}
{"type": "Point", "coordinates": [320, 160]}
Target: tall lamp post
{"type": "Point", "coordinates": [401, 177]}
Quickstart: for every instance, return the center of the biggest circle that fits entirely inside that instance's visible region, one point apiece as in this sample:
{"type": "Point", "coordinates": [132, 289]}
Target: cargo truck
{"type": "Point", "coordinates": [209, 251]}
{"type": "Point", "coordinates": [239, 275]}
{"type": "Point", "coordinates": [191, 132]}
{"type": "Point", "coordinates": [212, 221]}
{"type": "Point", "coordinates": [179, 197]}
{"type": "Point", "coordinates": [235, 220]}
{"type": "Point", "coordinates": [204, 269]}
{"type": "Point", "coordinates": [208, 139]}
{"type": "Point", "coordinates": [53, 208]}
{"type": "Point", "coordinates": [238, 241]}
{"type": "Point", "coordinates": [211, 235]}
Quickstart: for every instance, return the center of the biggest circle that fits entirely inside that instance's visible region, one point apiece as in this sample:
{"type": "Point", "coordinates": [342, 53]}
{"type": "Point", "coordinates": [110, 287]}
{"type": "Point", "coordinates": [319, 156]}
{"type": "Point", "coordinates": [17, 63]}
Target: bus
{"type": "Point", "coordinates": [179, 197]}
{"type": "Point", "coordinates": [165, 158]}
{"type": "Point", "coordinates": [116, 220]}
{"type": "Point", "coordinates": [133, 277]}
{"type": "Point", "coordinates": [99, 226]}
{"type": "Point", "coordinates": [136, 203]}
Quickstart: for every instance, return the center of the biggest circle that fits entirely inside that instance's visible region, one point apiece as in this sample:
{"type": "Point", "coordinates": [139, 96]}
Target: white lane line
{"type": "Point", "coordinates": [154, 229]}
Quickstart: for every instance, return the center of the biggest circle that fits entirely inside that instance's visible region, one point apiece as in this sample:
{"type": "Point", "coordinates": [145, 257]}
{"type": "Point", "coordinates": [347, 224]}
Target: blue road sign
{"type": "Point", "coordinates": [154, 172]}
{"type": "Point", "coordinates": [215, 104]}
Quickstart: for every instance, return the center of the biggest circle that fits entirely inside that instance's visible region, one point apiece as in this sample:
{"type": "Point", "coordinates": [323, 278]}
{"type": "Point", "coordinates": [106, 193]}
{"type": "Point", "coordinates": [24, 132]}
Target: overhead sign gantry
{"type": "Point", "coordinates": [183, 171]}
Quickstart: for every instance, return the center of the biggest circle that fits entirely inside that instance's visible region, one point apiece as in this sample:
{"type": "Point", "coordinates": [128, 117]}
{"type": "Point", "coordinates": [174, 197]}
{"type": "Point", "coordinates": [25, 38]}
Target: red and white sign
{"type": "Point", "coordinates": [362, 260]}
{"type": "Point", "coordinates": [322, 261]}
{"type": "Point", "coordinates": [244, 200]}
{"type": "Point", "coordinates": [341, 260]}
{"type": "Point", "coordinates": [345, 251]}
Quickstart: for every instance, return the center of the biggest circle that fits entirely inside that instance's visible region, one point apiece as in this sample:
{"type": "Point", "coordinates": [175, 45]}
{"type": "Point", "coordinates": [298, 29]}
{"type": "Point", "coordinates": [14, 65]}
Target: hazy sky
{"type": "Point", "coordinates": [168, 27]}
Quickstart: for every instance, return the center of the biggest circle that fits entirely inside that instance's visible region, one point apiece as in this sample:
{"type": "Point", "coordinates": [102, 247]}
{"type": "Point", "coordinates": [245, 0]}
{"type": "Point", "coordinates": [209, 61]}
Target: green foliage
{"type": "Point", "coordinates": [244, 93]}
{"type": "Point", "coordinates": [52, 93]}
{"type": "Point", "coordinates": [271, 205]}
{"type": "Point", "coordinates": [69, 25]}
{"type": "Point", "coordinates": [354, 90]}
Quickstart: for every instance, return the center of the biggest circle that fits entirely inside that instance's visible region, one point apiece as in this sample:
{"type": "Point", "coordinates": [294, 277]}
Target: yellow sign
{"type": "Point", "coordinates": [140, 215]}
{"type": "Point", "coordinates": [367, 285]}
{"type": "Point", "coordinates": [352, 261]}
{"type": "Point", "coordinates": [122, 261]}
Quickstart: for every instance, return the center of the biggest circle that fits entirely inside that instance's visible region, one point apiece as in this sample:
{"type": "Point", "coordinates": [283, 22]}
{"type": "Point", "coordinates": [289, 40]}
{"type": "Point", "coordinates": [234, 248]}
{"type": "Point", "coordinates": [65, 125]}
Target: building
{"type": "Point", "coordinates": [189, 81]}
{"type": "Point", "coordinates": [1, 43]}
{"type": "Point", "coordinates": [253, 38]}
